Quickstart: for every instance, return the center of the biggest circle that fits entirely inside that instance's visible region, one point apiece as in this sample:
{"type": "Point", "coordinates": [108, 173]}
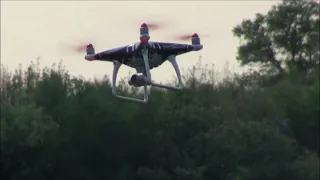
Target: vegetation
{"type": "Point", "coordinates": [259, 125]}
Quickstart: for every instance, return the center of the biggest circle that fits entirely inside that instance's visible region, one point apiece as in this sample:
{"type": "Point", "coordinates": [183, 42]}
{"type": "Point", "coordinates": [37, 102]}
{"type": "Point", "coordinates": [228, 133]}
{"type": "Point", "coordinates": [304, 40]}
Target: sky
{"type": "Point", "coordinates": [43, 29]}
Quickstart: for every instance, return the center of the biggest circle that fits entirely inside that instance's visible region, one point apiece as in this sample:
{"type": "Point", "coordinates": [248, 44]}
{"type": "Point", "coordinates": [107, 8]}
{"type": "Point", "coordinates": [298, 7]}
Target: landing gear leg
{"type": "Point", "coordinates": [175, 65]}
{"type": "Point", "coordinates": [146, 64]}
{"type": "Point", "coordinates": [116, 66]}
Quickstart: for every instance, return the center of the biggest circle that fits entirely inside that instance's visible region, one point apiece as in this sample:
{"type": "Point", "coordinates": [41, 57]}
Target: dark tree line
{"type": "Point", "coordinates": [260, 125]}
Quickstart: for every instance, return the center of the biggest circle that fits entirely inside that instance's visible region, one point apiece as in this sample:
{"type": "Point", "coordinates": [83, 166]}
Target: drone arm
{"type": "Point", "coordinates": [146, 64]}
{"type": "Point", "coordinates": [116, 66]}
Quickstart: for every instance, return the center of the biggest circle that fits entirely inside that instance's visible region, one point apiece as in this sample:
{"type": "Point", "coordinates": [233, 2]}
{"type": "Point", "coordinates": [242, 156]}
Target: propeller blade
{"type": "Point", "coordinates": [72, 48]}
{"type": "Point", "coordinates": [80, 48]}
{"type": "Point", "coordinates": [184, 37]}
{"type": "Point", "coordinates": [188, 37]}
{"type": "Point", "coordinates": [152, 25]}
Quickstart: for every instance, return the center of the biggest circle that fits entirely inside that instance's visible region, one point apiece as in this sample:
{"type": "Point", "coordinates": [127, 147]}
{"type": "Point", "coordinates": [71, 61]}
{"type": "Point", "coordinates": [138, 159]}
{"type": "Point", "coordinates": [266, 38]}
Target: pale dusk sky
{"type": "Point", "coordinates": [31, 29]}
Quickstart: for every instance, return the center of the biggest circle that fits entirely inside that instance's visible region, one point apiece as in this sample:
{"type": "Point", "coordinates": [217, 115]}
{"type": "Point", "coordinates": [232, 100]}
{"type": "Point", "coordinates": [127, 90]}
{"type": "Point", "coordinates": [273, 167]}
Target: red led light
{"type": "Point", "coordinates": [144, 39]}
{"type": "Point", "coordinates": [144, 25]}
{"type": "Point", "coordinates": [195, 35]}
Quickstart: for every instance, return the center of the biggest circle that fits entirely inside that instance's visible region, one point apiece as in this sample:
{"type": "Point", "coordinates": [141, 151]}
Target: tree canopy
{"type": "Point", "coordinates": [54, 126]}
{"type": "Point", "coordinates": [286, 38]}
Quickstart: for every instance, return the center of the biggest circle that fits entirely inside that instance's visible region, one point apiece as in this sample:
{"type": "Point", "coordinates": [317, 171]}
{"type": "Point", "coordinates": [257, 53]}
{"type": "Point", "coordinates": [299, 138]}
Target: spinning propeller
{"type": "Point", "coordinates": [180, 37]}
{"type": "Point", "coordinates": [73, 48]}
{"type": "Point", "coordinates": [79, 48]}
{"type": "Point", "coordinates": [188, 37]}
{"type": "Point", "coordinates": [153, 26]}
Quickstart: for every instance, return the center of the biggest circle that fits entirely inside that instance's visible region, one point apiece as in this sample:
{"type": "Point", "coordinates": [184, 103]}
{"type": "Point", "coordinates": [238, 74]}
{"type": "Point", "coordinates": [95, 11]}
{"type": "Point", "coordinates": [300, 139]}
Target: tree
{"type": "Point", "coordinates": [70, 128]}
{"type": "Point", "coordinates": [285, 39]}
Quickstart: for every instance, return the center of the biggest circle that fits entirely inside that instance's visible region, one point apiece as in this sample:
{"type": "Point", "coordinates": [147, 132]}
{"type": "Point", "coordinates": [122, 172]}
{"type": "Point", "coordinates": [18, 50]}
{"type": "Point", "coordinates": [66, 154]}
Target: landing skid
{"type": "Point", "coordinates": [147, 74]}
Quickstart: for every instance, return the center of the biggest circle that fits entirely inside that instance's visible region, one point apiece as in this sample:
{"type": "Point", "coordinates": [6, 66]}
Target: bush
{"type": "Point", "coordinates": [54, 126]}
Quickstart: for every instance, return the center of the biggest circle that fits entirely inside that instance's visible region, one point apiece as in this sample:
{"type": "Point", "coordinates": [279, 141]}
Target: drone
{"type": "Point", "coordinates": [144, 56]}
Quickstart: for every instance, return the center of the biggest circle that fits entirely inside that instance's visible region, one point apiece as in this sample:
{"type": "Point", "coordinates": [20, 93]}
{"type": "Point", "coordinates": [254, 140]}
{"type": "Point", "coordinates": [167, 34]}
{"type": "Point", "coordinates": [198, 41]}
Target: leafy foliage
{"type": "Point", "coordinates": [285, 39]}
{"type": "Point", "coordinates": [70, 128]}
